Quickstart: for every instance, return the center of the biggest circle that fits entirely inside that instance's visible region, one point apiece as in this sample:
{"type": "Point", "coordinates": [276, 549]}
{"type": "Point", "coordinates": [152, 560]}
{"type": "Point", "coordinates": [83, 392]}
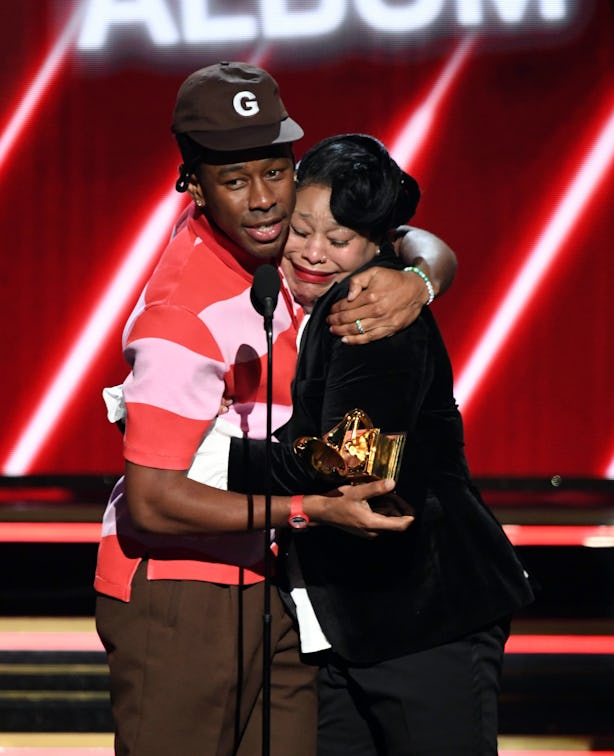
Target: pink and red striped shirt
{"type": "Point", "coordinates": [193, 338]}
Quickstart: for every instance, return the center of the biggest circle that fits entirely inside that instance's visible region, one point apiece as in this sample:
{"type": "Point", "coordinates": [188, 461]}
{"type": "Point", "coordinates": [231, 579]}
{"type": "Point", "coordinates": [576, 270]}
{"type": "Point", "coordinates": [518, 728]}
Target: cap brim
{"type": "Point", "coordinates": [249, 137]}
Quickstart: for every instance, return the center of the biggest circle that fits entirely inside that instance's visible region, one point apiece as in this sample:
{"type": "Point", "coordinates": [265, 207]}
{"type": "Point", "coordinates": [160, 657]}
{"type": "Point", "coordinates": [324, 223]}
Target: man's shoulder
{"type": "Point", "coordinates": [189, 274]}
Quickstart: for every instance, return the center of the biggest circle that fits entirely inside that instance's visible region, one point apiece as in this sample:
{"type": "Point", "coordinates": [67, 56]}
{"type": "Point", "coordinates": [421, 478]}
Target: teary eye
{"type": "Point", "coordinates": [295, 230]}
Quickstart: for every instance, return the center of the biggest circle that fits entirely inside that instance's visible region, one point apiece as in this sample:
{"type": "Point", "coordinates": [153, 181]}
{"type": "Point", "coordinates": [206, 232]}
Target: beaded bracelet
{"type": "Point", "coordinates": [425, 278]}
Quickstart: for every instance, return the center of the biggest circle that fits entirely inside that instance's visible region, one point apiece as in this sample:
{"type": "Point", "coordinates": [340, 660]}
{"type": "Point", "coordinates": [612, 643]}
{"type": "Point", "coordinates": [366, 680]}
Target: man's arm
{"type": "Point", "coordinates": [428, 252]}
{"type": "Point", "coordinates": [386, 301]}
{"type": "Point", "coordinates": [167, 411]}
{"type": "Point", "coordinates": [168, 502]}
{"type": "Point", "coordinates": [365, 376]}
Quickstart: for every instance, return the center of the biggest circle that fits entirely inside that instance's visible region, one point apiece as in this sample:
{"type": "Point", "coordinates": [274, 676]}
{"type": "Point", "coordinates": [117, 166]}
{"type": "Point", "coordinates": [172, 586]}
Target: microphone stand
{"type": "Point", "coordinates": [265, 290]}
{"type": "Point", "coordinates": [266, 617]}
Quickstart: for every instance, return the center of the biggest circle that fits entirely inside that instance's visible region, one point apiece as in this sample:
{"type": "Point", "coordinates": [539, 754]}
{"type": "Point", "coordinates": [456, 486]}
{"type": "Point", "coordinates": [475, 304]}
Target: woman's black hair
{"type": "Point", "coordinates": [369, 192]}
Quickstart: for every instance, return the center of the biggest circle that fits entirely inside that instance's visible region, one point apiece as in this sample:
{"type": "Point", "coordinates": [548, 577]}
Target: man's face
{"type": "Point", "coordinates": [251, 200]}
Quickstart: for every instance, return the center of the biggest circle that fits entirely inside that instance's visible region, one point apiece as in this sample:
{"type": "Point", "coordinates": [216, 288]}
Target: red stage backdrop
{"type": "Point", "coordinates": [502, 109]}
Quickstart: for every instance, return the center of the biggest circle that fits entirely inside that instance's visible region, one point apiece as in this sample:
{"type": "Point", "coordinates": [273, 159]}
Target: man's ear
{"type": "Point", "coordinates": [195, 191]}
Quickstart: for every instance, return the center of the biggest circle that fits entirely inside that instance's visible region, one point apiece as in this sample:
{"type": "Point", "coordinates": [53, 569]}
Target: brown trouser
{"type": "Point", "coordinates": [186, 671]}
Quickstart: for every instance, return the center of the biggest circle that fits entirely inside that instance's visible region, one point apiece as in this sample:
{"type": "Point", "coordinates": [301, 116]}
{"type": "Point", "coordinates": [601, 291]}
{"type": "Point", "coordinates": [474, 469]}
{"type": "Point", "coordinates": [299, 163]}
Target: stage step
{"type": "Point", "coordinates": [543, 694]}
{"type": "Point", "coordinates": [50, 691]}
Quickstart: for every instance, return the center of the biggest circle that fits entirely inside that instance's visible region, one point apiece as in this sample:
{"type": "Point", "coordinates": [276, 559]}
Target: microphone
{"type": "Point", "coordinates": [265, 290]}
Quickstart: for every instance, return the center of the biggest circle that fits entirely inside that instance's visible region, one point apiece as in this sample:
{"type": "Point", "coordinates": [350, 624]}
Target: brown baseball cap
{"type": "Point", "coordinates": [233, 106]}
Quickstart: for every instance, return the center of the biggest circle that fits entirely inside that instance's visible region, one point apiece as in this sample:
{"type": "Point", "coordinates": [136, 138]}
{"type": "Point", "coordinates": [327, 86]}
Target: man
{"type": "Point", "coordinates": [180, 571]}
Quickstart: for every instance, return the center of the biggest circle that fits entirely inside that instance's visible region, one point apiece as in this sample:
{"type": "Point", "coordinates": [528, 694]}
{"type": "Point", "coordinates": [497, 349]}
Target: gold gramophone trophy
{"type": "Point", "coordinates": [354, 450]}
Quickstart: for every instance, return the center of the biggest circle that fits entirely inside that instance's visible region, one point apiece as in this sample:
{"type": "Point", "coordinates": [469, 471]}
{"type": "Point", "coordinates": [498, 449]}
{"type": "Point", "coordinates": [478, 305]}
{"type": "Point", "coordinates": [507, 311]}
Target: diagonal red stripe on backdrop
{"type": "Point", "coordinates": [38, 87]}
{"type": "Point", "coordinates": [121, 289]}
{"type": "Point", "coordinates": [566, 214]}
{"type": "Point", "coordinates": [411, 140]}
{"type": "Point", "coordinates": [48, 409]}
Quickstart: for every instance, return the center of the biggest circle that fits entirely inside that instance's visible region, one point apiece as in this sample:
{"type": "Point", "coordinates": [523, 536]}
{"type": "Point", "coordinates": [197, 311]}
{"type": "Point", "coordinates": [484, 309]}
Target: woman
{"type": "Point", "coordinates": [410, 627]}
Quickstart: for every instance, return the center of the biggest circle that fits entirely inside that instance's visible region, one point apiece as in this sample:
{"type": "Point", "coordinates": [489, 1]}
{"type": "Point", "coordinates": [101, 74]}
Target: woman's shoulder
{"type": "Point", "coordinates": [385, 259]}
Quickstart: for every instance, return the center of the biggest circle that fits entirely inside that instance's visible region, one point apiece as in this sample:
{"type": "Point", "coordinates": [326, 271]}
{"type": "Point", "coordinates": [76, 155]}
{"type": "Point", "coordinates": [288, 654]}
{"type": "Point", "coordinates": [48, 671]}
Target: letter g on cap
{"type": "Point", "coordinates": [245, 103]}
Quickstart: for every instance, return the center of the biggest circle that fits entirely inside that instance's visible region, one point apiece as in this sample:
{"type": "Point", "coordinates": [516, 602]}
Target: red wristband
{"type": "Point", "coordinates": [297, 519]}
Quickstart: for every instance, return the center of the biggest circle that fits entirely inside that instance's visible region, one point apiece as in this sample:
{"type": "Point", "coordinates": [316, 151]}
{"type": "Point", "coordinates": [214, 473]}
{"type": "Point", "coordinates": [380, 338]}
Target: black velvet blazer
{"type": "Point", "coordinates": [454, 570]}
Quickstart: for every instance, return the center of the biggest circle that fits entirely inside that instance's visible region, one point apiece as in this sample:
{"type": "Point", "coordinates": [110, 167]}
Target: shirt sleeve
{"type": "Point", "coordinates": [174, 388]}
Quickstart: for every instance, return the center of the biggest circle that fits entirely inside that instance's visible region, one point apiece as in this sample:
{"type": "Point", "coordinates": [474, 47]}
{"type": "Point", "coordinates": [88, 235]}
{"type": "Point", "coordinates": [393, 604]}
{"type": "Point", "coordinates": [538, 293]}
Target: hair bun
{"type": "Point", "coordinates": [369, 192]}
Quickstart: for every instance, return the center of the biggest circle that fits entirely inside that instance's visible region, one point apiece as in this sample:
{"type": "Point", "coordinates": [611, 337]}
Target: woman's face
{"type": "Point", "coordinates": [319, 251]}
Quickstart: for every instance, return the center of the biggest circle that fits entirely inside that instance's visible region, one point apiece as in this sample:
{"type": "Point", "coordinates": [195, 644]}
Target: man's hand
{"type": "Point", "coordinates": [225, 406]}
{"type": "Point", "coordinates": [391, 505]}
{"type": "Point", "coordinates": [383, 300]}
{"type": "Point", "coordinates": [347, 507]}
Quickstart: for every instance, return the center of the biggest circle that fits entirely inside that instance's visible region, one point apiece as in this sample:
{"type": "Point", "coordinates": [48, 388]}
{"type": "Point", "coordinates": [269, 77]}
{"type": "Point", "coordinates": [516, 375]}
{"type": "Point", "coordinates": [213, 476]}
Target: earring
{"type": "Point", "coordinates": [199, 202]}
